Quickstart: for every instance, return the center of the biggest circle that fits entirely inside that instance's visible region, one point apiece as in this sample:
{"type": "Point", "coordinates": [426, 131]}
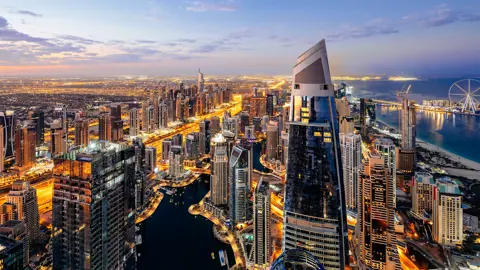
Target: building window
{"type": "Point", "coordinates": [296, 86]}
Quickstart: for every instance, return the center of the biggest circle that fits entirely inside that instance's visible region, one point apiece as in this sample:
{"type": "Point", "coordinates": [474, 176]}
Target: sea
{"type": "Point", "coordinates": [456, 133]}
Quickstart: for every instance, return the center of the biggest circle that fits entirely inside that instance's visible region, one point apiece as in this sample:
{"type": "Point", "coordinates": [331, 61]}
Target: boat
{"type": "Point", "coordinates": [213, 256]}
{"type": "Point", "coordinates": [222, 258]}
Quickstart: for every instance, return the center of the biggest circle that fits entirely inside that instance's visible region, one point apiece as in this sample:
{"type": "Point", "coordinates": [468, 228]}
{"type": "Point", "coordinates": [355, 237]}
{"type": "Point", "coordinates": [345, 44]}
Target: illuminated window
{"type": "Point", "coordinates": [317, 134]}
{"type": "Point", "coordinates": [327, 139]}
{"type": "Point", "coordinates": [305, 120]}
{"type": "Point", "coordinates": [327, 134]}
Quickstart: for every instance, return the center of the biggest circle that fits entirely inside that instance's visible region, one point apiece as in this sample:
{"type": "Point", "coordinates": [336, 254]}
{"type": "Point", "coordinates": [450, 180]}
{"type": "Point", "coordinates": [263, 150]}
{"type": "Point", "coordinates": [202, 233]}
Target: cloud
{"type": "Point", "coordinates": [211, 6]}
{"type": "Point", "coordinates": [224, 44]}
{"type": "Point", "coordinates": [376, 27]}
{"type": "Point", "coordinates": [186, 40]}
{"type": "Point", "coordinates": [171, 44]}
{"type": "Point", "coordinates": [26, 12]}
{"type": "Point", "coordinates": [80, 40]}
{"type": "Point", "coordinates": [145, 41]}
{"type": "Point", "coordinates": [206, 48]}
{"type": "Point", "coordinates": [441, 15]}
{"type": "Point", "coordinates": [3, 23]}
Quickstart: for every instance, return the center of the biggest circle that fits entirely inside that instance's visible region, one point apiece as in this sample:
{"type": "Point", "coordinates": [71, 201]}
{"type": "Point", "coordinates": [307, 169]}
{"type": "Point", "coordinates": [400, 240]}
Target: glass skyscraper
{"type": "Point", "coordinates": [314, 212]}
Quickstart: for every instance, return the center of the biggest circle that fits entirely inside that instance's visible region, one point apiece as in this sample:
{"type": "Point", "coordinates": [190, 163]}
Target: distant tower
{"type": "Point", "coordinates": [151, 158]}
{"type": "Point", "coordinates": [24, 197]}
{"type": "Point", "coordinates": [351, 148]}
{"type": "Point", "coordinates": [2, 148]}
{"type": "Point", "coordinates": [56, 138]}
{"type": "Point", "coordinates": [25, 139]}
{"type": "Point", "coordinates": [176, 158]}
{"type": "Point", "coordinates": [9, 123]}
{"type": "Point", "coordinates": [423, 186]}
{"type": "Point", "coordinates": [200, 82]}
{"type": "Point", "coordinates": [81, 132]}
{"type": "Point", "coordinates": [262, 245]}
{"type": "Point", "coordinates": [163, 117]}
{"type": "Point", "coordinates": [104, 127]}
{"type": "Point", "coordinates": [134, 122]}
{"type": "Point", "coordinates": [61, 112]}
{"type": "Point", "coordinates": [166, 145]}
{"type": "Point", "coordinates": [219, 177]}
{"type": "Point", "coordinates": [272, 141]}
{"type": "Point", "coordinates": [144, 115]}
{"type": "Point", "coordinates": [239, 178]}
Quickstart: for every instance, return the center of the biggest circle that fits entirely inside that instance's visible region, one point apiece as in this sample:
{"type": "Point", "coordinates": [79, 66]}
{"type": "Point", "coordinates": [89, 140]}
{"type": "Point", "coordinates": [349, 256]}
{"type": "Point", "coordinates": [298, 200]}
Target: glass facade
{"type": "Point", "coordinates": [314, 210]}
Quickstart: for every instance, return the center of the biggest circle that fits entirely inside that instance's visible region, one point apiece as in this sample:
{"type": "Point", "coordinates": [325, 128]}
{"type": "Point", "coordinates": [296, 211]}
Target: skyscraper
{"type": "Point", "coordinates": [151, 158]}
{"type": "Point", "coordinates": [262, 243]}
{"type": "Point", "coordinates": [144, 115]}
{"type": "Point", "coordinates": [81, 132]}
{"type": "Point", "coordinates": [25, 147]}
{"type": "Point", "coordinates": [104, 127]}
{"type": "Point", "coordinates": [163, 115]}
{"type": "Point", "coordinates": [176, 158]}
{"type": "Point", "coordinates": [447, 213]}
{"type": "Point", "coordinates": [200, 82]}
{"type": "Point", "coordinates": [134, 122]}
{"type": "Point", "coordinates": [351, 148]}
{"type": "Point", "coordinates": [24, 197]}
{"type": "Point", "coordinates": [2, 148]}
{"type": "Point", "coordinates": [219, 177]}
{"type": "Point", "coordinates": [386, 148]}
{"type": "Point", "coordinates": [314, 211]}
{"type": "Point", "coordinates": [56, 138]}
{"type": "Point", "coordinates": [11, 255]}
{"type": "Point", "coordinates": [408, 123]}
{"type": "Point", "coordinates": [9, 123]}
{"type": "Point", "coordinates": [376, 216]}
{"type": "Point", "coordinates": [61, 113]}
{"type": "Point", "coordinates": [423, 186]}
{"type": "Point", "coordinates": [94, 208]}
{"type": "Point", "coordinates": [140, 172]}
{"type": "Point", "coordinates": [239, 179]}
{"type": "Point", "coordinates": [38, 118]}
{"type": "Point", "coordinates": [272, 141]}
{"type": "Point", "coordinates": [270, 105]}
{"type": "Point", "coordinates": [166, 145]}
{"type": "Point", "coordinates": [205, 129]}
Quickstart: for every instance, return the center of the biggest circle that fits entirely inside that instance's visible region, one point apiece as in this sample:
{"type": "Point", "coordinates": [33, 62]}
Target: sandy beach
{"type": "Point", "coordinates": [475, 166]}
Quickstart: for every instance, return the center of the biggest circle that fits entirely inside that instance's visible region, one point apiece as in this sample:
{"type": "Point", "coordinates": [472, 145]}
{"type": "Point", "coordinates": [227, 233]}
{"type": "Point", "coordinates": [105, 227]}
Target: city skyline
{"type": "Point", "coordinates": [165, 38]}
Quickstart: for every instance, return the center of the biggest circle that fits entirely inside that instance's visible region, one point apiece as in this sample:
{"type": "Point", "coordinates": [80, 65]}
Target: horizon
{"type": "Point", "coordinates": [168, 38]}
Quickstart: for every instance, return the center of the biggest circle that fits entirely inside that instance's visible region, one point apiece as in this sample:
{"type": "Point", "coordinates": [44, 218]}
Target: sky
{"type": "Point", "coordinates": [238, 37]}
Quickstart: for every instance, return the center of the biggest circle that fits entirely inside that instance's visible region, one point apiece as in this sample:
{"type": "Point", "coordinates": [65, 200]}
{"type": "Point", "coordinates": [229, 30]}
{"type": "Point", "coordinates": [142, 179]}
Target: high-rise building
{"type": "Point", "coordinates": [408, 124]}
{"type": "Point", "coordinates": [38, 118]}
{"type": "Point", "coordinates": [8, 211]}
{"type": "Point", "coordinates": [386, 148]}
{"type": "Point", "coordinates": [56, 138]}
{"type": "Point", "coordinates": [239, 179]}
{"type": "Point", "coordinates": [11, 255]}
{"type": "Point", "coordinates": [215, 124]}
{"type": "Point", "coordinates": [25, 147]}
{"type": "Point", "coordinates": [422, 193]}
{"type": "Point", "coordinates": [166, 145]}
{"type": "Point", "coordinates": [244, 121]}
{"type": "Point", "coordinates": [171, 109]}
{"type": "Point", "coordinates": [376, 216]}
{"type": "Point", "coordinates": [2, 148]}
{"type": "Point", "coordinates": [258, 106]}
{"type": "Point", "coordinates": [24, 197]}
{"type": "Point", "coordinates": [177, 140]}
{"type": "Point", "coordinates": [262, 242]}
{"type": "Point", "coordinates": [81, 132]}
{"type": "Point", "coordinates": [17, 230]}
{"type": "Point", "coordinates": [134, 122]}
{"type": "Point", "coordinates": [151, 158]}
{"type": "Point", "coordinates": [351, 148]}
{"type": "Point", "coordinates": [179, 108]}
{"type": "Point", "coordinates": [192, 146]}
{"type": "Point", "coordinates": [140, 173]}
{"type": "Point", "coordinates": [176, 158]}
{"type": "Point", "coordinates": [144, 115]}
{"type": "Point", "coordinates": [205, 129]}
{"type": "Point", "coordinates": [272, 141]}
{"type": "Point", "coordinates": [200, 82]}
{"type": "Point", "coordinates": [9, 123]}
{"type": "Point", "coordinates": [163, 117]}
{"type": "Point", "coordinates": [150, 119]}
{"type": "Point", "coordinates": [345, 120]}
{"type": "Point", "coordinates": [94, 208]}
{"type": "Point", "coordinates": [219, 177]}
{"type": "Point", "coordinates": [314, 211]}
{"type": "Point", "coordinates": [104, 127]}
{"type": "Point", "coordinates": [270, 105]}
{"type": "Point", "coordinates": [61, 113]}
{"type": "Point", "coordinates": [447, 213]}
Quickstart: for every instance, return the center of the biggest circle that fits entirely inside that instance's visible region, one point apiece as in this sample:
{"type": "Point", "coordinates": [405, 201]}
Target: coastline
{"type": "Point", "coordinates": [472, 173]}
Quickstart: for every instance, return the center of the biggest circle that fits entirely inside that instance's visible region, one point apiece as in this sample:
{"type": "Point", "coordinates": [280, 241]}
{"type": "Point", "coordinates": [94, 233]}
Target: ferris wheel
{"type": "Point", "coordinates": [465, 93]}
